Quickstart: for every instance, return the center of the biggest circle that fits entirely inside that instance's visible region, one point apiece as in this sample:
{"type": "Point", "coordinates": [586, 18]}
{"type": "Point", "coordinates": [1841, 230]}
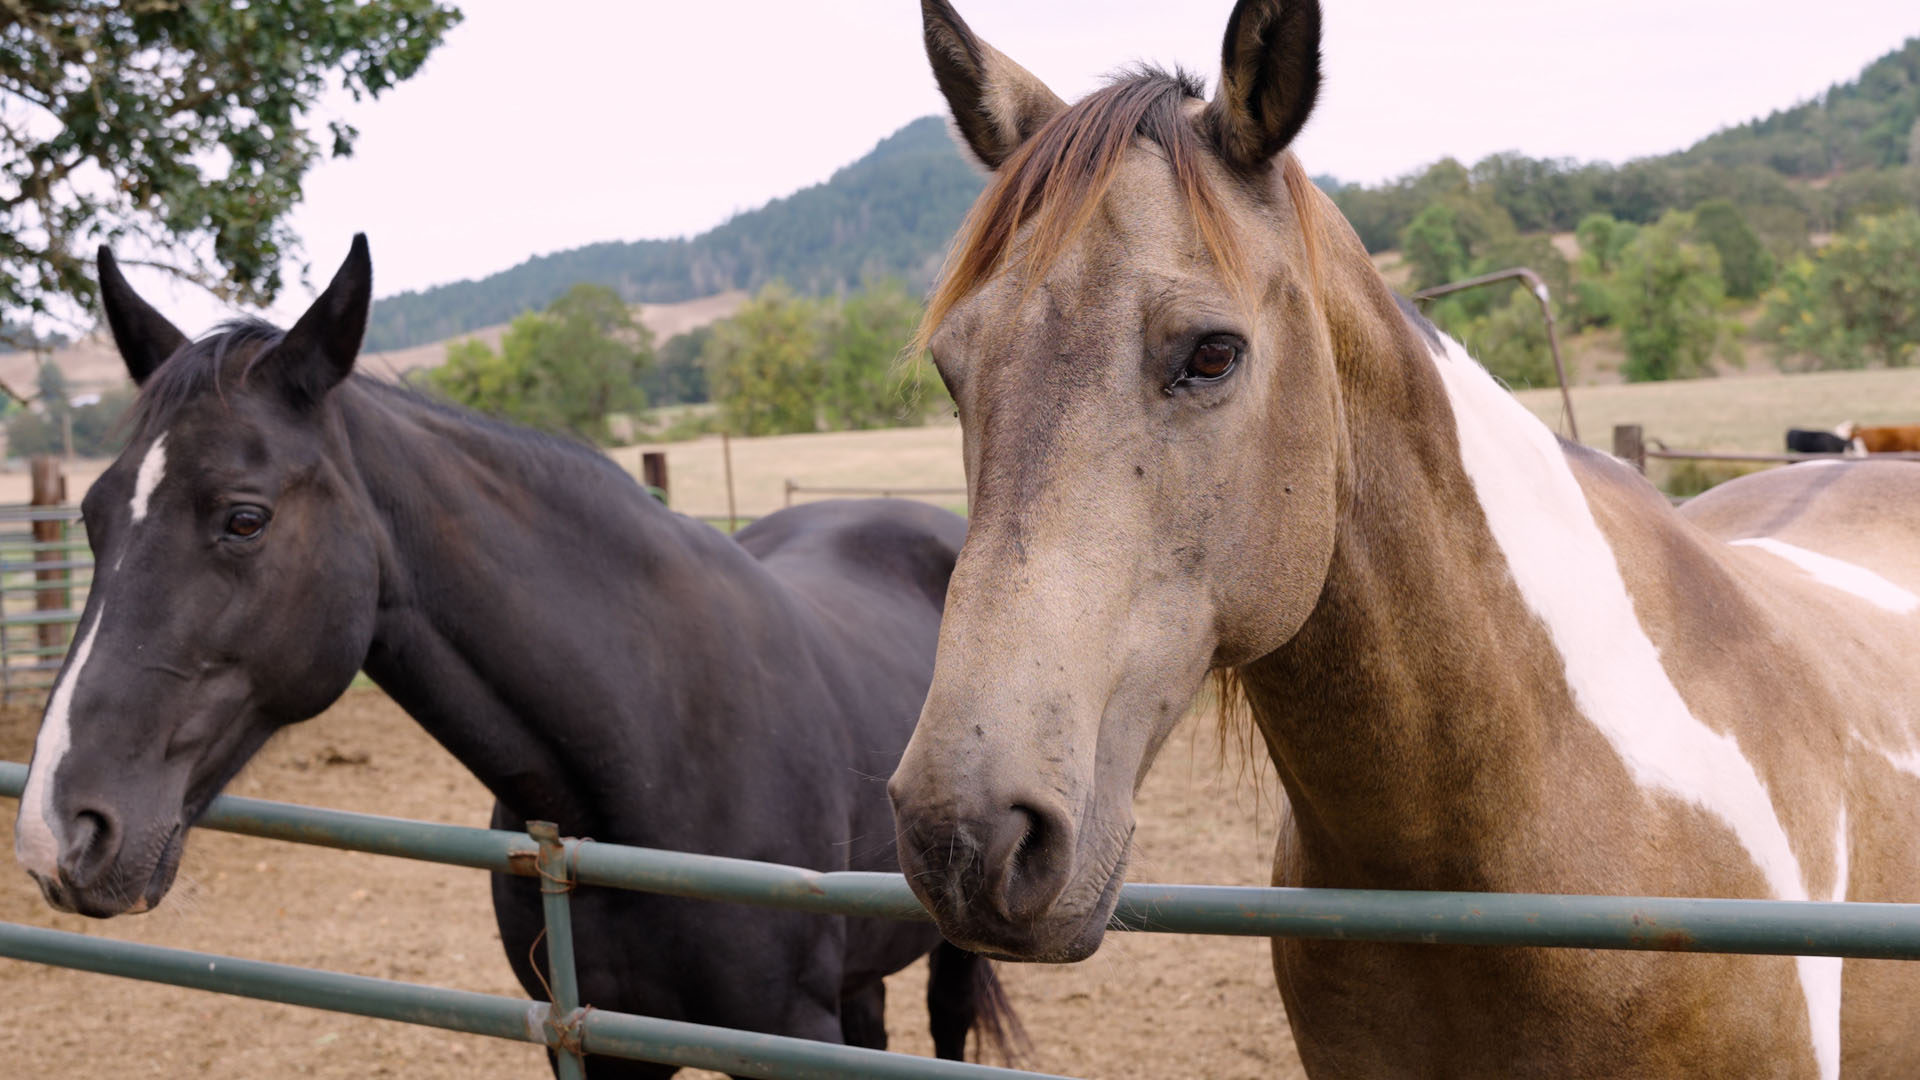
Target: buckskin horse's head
{"type": "Point", "coordinates": [1130, 326]}
{"type": "Point", "coordinates": [232, 592]}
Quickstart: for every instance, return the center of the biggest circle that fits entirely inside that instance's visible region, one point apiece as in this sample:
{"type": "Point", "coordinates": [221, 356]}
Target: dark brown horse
{"type": "Point", "coordinates": [276, 524]}
{"type": "Point", "coordinates": [1202, 435]}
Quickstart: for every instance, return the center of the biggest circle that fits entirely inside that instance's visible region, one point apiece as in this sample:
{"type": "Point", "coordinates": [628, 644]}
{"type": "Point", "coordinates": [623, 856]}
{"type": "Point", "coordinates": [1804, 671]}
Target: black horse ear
{"type": "Point", "coordinates": [1269, 77]}
{"type": "Point", "coordinates": [144, 336]}
{"type": "Point", "coordinates": [996, 103]}
{"type": "Point", "coordinates": [320, 349]}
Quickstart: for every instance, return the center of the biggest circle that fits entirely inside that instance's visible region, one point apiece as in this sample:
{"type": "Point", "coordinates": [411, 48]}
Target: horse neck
{"type": "Point", "coordinates": [522, 581]}
{"type": "Point", "coordinates": [1408, 717]}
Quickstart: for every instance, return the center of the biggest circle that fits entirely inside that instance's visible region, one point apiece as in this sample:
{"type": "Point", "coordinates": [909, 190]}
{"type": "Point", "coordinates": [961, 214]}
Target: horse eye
{"type": "Point", "coordinates": [245, 522]}
{"type": "Point", "coordinates": [1211, 359]}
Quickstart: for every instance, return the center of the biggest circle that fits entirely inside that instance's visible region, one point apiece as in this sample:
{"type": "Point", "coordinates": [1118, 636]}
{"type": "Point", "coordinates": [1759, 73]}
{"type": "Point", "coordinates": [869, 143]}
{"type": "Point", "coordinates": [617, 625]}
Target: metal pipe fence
{"type": "Point", "coordinates": [573, 1028]}
{"type": "Point", "coordinates": [43, 587]}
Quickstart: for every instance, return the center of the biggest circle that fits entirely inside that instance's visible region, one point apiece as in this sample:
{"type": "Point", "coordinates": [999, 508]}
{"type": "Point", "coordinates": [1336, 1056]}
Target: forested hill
{"type": "Point", "coordinates": [1799, 171]}
{"type": "Point", "coordinates": [890, 213]}
{"type": "Point", "coordinates": [1861, 125]}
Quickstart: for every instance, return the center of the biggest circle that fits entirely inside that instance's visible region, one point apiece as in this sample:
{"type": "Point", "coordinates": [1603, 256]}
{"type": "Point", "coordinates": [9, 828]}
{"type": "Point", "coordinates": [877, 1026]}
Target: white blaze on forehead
{"type": "Point", "coordinates": [1567, 574]}
{"type": "Point", "coordinates": [1838, 574]}
{"type": "Point", "coordinates": [152, 468]}
{"type": "Point", "coordinates": [36, 839]}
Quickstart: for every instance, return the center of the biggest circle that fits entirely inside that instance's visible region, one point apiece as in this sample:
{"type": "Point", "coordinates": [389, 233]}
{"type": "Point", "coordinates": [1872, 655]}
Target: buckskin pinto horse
{"type": "Point", "coordinates": [276, 524]}
{"type": "Point", "coordinates": [1203, 435]}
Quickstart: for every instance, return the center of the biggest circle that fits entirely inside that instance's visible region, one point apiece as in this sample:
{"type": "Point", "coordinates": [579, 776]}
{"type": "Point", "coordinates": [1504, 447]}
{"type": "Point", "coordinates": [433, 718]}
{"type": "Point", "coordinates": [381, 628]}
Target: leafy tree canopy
{"type": "Point", "coordinates": [177, 127]}
{"type": "Point", "coordinates": [1856, 300]}
{"type": "Point", "coordinates": [560, 370]}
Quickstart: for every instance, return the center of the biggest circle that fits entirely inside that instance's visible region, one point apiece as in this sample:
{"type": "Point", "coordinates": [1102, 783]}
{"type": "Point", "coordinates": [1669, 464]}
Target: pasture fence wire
{"type": "Point", "coordinates": [573, 1029]}
{"type": "Point", "coordinates": [905, 491]}
{"type": "Point", "coordinates": [1631, 445]}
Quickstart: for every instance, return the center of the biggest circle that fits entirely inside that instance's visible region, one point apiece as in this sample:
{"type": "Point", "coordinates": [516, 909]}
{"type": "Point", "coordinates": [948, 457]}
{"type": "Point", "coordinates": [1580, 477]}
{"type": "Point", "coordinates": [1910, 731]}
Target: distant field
{"type": "Point", "coordinates": [1745, 413]}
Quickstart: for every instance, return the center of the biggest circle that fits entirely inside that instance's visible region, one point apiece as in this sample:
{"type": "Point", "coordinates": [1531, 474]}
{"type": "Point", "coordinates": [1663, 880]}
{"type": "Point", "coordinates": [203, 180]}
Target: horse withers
{"type": "Point", "coordinates": [277, 523]}
{"type": "Point", "coordinates": [1203, 435]}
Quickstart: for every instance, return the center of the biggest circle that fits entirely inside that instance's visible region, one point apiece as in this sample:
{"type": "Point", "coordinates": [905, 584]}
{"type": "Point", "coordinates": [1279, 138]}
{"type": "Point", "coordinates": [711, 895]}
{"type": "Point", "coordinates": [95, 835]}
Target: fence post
{"type": "Point", "coordinates": [50, 489]}
{"type": "Point", "coordinates": [1629, 446]}
{"type": "Point", "coordinates": [556, 894]}
{"type": "Point", "coordinates": [726, 456]}
{"type": "Point", "coordinates": [791, 488]}
{"type": "Point", "coordinates": [653, 473]}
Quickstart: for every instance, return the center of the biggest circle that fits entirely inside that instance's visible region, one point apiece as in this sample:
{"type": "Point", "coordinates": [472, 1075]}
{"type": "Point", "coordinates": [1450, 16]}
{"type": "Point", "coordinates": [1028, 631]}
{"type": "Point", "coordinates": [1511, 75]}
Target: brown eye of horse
{"type": "Point", "coordinates": [245, 522]}
{"type": "Point", "coordinates": [1211, 360]}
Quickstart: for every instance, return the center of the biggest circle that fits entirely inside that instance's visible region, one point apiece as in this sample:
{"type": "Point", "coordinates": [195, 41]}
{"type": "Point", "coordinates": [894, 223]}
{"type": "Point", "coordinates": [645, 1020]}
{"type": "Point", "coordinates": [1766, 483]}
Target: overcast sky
{"type": "Point", "coordinates": [539, 128]}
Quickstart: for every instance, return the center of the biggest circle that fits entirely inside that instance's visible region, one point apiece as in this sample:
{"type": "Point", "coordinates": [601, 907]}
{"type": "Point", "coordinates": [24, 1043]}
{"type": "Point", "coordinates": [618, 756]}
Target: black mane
{"type": "Point", "coordinates": [221, 360]}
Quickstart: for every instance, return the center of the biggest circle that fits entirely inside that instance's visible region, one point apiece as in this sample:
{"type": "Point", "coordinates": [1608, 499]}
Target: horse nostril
{"type": "Point", "coordinates": [1037, 864]}
{"type": "Point", "coordinates": [92, 844]}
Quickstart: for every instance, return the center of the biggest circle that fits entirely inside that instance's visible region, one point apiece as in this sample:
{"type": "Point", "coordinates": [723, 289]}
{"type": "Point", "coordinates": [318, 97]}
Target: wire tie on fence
{"type": "Point", "coordinates": [569, 1031]}
{"type": "Point", "coordinates": [533, 961]}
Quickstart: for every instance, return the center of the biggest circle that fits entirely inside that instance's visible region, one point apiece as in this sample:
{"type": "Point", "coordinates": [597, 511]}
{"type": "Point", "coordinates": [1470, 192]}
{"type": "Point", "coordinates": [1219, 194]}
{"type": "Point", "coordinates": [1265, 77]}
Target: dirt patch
{"type": "Point", "coordinates": [1147, 1005]}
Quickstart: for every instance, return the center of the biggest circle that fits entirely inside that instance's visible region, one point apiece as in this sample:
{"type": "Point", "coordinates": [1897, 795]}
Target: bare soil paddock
{"type": "Point", "coordinates": [1147, 1005]}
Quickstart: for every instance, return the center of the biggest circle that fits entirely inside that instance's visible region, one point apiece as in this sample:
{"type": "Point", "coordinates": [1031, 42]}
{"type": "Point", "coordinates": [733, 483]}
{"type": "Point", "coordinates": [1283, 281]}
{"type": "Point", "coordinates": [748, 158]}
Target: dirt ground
{"type": "Point", "coordinates": [1146, 1005]}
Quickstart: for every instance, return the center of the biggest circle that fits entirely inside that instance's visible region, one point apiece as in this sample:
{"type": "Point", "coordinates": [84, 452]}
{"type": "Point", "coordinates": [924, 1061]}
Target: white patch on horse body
{"type": "Point", "coordinates": [1820, 976]}
{"type": "Point", "coordinates": [1569, 578]}
{"type": "Point", "coordinates": [36, 838]}
{"type": "Point", "coordinates": [1838, 574]}
{"type": "Point", "coordinates": [153, 468]}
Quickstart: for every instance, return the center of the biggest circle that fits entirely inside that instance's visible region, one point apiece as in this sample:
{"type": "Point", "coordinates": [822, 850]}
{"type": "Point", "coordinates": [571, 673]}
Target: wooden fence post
{"type": "Point", "coordinates": [653, 472]}
{"type": "Point", "coordinates": [1630, 446]}
{"type": "Point", "coordinates": [726, 455]}
{"type": "Point", "coordinates": [50, 489]}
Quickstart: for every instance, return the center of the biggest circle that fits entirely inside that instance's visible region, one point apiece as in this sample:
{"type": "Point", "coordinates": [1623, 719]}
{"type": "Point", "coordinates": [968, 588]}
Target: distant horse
{"type": "Point", "coordinates": [1203, 434]}
{"type": "Point", "coordinates": [597, 660]}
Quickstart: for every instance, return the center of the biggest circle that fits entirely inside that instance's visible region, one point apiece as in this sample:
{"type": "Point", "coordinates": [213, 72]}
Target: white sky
{"type": "Point", "coordinates": [536, 129]}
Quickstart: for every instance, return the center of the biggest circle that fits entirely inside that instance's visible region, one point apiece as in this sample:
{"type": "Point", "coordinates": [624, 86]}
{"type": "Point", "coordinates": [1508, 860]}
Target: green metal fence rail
{"type": "Point", "coordinates": [1807, 928]}
{"type": "Point", "coordinates": [33, 639]}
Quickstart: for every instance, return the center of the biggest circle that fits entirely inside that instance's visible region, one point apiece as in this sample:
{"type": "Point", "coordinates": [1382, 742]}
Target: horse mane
{"type": "Point", "coordinates": [222, 359]}
{"type": "Point", "coordinates": [1057, 179]}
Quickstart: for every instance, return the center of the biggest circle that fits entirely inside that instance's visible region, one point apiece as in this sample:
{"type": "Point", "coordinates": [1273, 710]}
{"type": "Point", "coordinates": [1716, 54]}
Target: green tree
{"type": "Point", "coordinates": [1857, 300]}
{"type": "Point", "coordinates": [1669, 296]}
{"type": "Point", "coordinates": [866, 384]}
{"type": "Point", "coordinates": [1745, 264]}
{"type": "Point", "coordinates": [763, 364]}
{"type": "Point", "coordinates": [179, 129]}
{"type": "Point", "coordinates": [1511, 341]}
{"type": "Point", "coordinates": [563, 369]}
{"type": "Point", "coordinates": [97, 427]}
{"type": "Point", "coordinates": [50, 389]}
{"type": "Point", "coordinates": [677, 377]}
{"type": "Point", "coordinates": [1433, 247]}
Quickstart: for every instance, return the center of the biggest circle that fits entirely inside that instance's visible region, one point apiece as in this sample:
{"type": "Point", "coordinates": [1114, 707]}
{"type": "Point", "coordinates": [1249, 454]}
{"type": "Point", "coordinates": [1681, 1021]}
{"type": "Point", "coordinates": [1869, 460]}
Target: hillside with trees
{"type": "Point", "coordinates": [890, 214]}
{"type": "Point", "coordinates": [1668, 245]}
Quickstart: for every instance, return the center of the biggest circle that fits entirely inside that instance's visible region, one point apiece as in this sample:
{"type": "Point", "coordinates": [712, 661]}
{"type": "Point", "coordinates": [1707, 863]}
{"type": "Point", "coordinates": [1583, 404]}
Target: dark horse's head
{"type": "Point", "coordinates": [233, 593]}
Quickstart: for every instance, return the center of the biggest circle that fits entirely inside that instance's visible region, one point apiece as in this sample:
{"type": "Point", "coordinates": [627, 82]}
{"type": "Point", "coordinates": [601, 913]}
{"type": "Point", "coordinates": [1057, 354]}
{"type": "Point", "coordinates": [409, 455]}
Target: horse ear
{"type": "Point", "coordinates": [996, 103]}
{"type": "Point", "coordinates": [320, 349]}
{"type": "Point", "coordinates": [1269, 77]}
{"type": "Point", "coordinates": [144, 336]}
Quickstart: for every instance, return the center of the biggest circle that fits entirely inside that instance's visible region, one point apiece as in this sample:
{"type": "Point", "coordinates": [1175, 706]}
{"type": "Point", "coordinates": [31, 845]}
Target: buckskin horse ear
{"type": "Point", "coordinates": [996, 103]}
{"type": "Point", "coordinates": [320, 349]}
{"type": "Point", "coordinates": [144, 336]}
{"type": "Point", "coordinates": [1269, 77]}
